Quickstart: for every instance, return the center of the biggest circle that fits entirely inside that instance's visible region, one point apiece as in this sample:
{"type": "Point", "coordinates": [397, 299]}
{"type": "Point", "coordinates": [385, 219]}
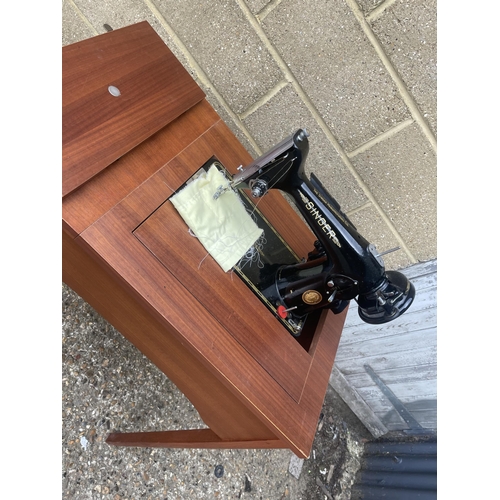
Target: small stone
{"type": "Point", "coordinates": [295, 466]}
{"type": "Point", "coordinates": [92, 435]}
{"type": "Point", "coordinates": [330, 474]}
{"type": "Point", "coordinates": [84, 442]}
{"type": "Point", "coordinates": [248, 484]}
{"type": "Point", "coordinates": [219, 471]}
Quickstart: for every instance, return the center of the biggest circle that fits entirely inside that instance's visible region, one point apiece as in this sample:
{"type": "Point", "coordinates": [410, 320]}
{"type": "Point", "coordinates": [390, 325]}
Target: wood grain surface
{"type": "Point", "coordinates": [98, 128]}
{"type": "Point", "coordinates": [93, 199]}
{"type": "Point", "coordinates": [292, 419]}
{"type": "Point", "coordinates": [193, 438]}
{"type": "Point", "coordinates": [128, 254]}
{"type": "Point", "coordinates": [90, 277]}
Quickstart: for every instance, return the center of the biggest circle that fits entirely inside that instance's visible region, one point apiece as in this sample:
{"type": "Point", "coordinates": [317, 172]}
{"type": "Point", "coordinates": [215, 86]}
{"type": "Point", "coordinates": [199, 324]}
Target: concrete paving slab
{"type": "Point", "coordinates": [368, 6]}
{"type": "Point", "coordinates": [408, 33]}
{"type": "Point", "coordinates": [117, 14]}
{"type": "Point", "coordinates": [401, 173]}
{"type": "Point", "coordinates": [221, 40]}
{"type": "Point", "coordinates": [337, 67]}
{"type": "Point", "coordinates": [372, 226]}
{"type": "Point", "coordinates": [256, 6]}
{"type": "Point", "coordinates": [232, 121]}
{"type": "Point", "coordinates": [74, 28]}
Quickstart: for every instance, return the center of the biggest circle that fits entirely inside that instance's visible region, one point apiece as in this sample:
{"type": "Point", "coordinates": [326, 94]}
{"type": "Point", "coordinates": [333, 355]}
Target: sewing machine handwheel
{"type": "Point", "coordinates": [397, 293]}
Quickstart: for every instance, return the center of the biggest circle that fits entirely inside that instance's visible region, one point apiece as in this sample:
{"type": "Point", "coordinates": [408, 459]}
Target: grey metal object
{"type": "Point", "coordinates": [400, 470]}
{"type": "Point", "coordinates": [114, 91]}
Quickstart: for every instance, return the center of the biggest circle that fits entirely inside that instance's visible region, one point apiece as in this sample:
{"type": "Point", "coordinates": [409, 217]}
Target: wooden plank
{"type": "Point", "coordinates": [98, 127]}
{"type": "Point", "coordinates": [424, 411]}
{"type": "Point", "coordinates": [403, 353]}
{"type": "Point", "coordinates": [402, 374]}
{"type": "Point", "coordinates": [356, 403]}
{"type": "Point", "coordinates": [428, 423]}
{"type": "Point", "coordinates": [410, 321]}
{"type": "Point", "coordinates": [411, 357]}
{"type": "Point", "coordinates": [427, 418]}
{"type": "Point", "coordinates": [421, 283]}
{"type": "Point", "coordinates": [91, 201]}
{"type": "Point", "coordinates": [357, 329]}
{"type": "Point", "coordinates": [405, 392]}
{"type": "Point", "coordinates": [421, 269]}
{"type": "Point", "coordinates": [372, 408]}
{"type": "Point", "coordinates": [402, 342]}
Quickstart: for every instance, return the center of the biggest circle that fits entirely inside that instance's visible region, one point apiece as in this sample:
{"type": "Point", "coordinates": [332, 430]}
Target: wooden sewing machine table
{"type": "Point", "coordinates": [136, 126]}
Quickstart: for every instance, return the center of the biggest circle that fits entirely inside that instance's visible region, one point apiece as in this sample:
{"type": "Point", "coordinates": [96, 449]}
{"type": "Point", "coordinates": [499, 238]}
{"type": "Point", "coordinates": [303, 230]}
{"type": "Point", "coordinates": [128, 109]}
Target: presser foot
{"type": "Point", "coordinates": [220, 191]}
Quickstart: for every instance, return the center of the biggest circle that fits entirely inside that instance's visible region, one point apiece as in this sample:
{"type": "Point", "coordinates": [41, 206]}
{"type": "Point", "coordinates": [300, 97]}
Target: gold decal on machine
{"type": "Point", "coordinates": [311, 297]}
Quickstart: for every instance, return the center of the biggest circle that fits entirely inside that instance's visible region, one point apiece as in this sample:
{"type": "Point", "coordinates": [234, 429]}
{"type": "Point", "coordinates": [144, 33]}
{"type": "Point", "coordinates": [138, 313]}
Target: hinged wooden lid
{"type": "Point", "coordinates": [118, 89]}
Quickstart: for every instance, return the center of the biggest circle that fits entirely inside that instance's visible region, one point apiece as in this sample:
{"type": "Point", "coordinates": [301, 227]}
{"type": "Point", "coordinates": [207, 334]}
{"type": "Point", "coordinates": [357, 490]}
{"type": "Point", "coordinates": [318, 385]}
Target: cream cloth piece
{"type": "Point", "coordinates": [223, 226]}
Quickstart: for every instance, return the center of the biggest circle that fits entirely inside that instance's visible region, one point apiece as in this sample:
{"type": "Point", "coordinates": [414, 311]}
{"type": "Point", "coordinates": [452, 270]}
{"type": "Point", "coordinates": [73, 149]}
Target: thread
{"type": "Point", "coordinates": [224, 232]}
{"type": "Point", "coordinates": [253, 254]}
{"type": "Point", "coordinates": [226, 242]}
{"type": "Point", "coordinates": [286, 169]}
{"type": "Point", "coordinates": [171, 189]}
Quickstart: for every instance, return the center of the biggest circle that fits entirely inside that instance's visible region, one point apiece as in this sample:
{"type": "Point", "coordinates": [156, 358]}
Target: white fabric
{"type": "Point", "coordinates": [223, 226]}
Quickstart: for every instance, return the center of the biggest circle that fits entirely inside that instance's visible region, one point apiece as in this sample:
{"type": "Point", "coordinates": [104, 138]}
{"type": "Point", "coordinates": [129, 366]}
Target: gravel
{"type": "Point", "coordinates": [107, 384]}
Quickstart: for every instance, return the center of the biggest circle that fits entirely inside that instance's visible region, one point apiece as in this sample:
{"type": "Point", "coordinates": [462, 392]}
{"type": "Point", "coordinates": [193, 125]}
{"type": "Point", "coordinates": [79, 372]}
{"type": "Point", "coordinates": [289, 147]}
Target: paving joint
{"type": "Point", "coordinates": [265, 11]}
{"type": "Point", "coordinates": [200, 73]}
{"type": "Point", "coordinates": [364, 206]}
{"type": "Point", "coordinates": [82, 16]}
{"type": "Point", "coordinates": [264, 99]}
{"type": "Point", "coordinates": [321, 122]}
{"type": "Point", "coordinates": [381, 137]}
{"type": "Point", "coordinates": [379, 10]}
{"type": "Point", "coordinates": [401, 86]}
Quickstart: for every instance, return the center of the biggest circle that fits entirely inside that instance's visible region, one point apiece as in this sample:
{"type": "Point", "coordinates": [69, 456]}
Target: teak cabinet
{"type": "Point", "coordinates": [128, 253]}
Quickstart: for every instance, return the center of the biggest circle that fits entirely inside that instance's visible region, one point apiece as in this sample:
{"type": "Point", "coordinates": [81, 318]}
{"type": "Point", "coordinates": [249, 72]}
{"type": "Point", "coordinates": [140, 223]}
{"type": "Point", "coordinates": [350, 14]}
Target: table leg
{"type": "Point", "coordinates": [193, 438]}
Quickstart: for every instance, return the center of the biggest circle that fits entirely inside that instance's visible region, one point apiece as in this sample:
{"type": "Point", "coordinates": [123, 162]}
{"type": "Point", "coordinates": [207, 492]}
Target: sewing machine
{"type": "Point", "coordinates": [127, 252]}
{"type": "Point", "coordinates": [342, 266]}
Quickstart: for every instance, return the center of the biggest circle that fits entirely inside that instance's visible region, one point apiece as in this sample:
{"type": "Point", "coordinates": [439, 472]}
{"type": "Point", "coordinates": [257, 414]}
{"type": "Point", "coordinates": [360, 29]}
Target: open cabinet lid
{"type": "Point", "coordinates": [119, 88]}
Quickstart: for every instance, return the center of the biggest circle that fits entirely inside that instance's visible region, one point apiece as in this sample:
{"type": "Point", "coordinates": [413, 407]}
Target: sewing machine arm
{"type": "Point", "coordinates": [343, 265]}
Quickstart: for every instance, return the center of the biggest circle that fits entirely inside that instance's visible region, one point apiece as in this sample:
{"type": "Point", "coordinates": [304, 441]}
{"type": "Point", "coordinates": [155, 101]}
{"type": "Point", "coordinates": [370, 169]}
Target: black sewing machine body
{"type": "Point", "coordinates": [342, 266]}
